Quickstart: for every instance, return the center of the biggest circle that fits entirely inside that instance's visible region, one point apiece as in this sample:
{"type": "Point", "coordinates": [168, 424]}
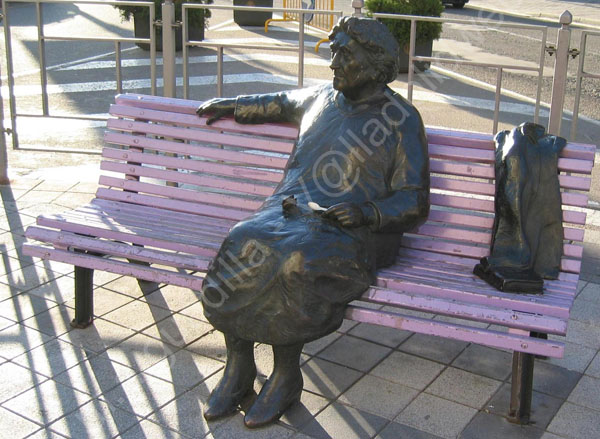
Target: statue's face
{"type": "Point", "coordinates": [350, 64]}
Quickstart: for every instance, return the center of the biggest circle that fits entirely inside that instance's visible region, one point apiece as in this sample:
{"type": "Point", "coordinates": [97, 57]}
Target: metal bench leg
{"type": "Point", "coordinates": [522, 388]}
{"type": "Point", "coordinates": [84, 297]}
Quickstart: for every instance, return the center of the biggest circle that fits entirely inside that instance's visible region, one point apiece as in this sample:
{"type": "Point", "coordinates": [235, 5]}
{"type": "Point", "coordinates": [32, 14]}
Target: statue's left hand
{"type": "Point", "coordinates": [349, 214]}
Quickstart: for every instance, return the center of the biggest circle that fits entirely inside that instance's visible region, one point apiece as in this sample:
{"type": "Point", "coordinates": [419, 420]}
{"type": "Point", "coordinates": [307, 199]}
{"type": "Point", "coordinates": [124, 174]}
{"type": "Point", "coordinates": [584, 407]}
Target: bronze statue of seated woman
{"type": "Point", "coordinates": [284, 275]}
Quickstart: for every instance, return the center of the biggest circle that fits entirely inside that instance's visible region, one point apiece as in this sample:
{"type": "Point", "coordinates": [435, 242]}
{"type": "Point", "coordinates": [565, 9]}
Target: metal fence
{"type": "Point", "coordinates": [169, 25]}
{"type": "Point", "coordinates": [581, 75]}
{"type": "Point", "coordinates": [221, 46]}
{"type": "Point", "coordinates": [413, 58]}
{"type": "Point", "coordinates": [41, 43]}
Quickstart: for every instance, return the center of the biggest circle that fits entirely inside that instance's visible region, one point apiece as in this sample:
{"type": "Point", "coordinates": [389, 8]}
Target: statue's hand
{"type": "Point", "coordinates": [218, 108]}
{"type": "Point", "coordinates": [349, 214]}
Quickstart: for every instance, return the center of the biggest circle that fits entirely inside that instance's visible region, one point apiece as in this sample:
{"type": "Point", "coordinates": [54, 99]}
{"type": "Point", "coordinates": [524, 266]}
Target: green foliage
{"type": "Point", "coordinates": [196, 17]}
{"type": "Point", "coordinates": [401, 28]}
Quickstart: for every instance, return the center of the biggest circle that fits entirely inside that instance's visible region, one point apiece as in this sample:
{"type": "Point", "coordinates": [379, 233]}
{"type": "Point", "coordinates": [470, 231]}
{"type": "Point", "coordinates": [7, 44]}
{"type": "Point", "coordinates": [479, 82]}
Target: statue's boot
{"type": "Point", "coordinates": [237, 381]}
{"type": "Point", "coordinates": [282, 389]}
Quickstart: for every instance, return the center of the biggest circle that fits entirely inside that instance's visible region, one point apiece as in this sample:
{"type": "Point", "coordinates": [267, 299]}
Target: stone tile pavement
{"type": "Point", "coordinates": [148, 364]}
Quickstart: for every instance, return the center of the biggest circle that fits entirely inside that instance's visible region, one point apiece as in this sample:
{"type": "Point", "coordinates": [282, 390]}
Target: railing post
{"type": "Point", "coordinates": [559, 82]}
{"type": "Point", "coordinates": [168, 40]}
{"type": "Point", "coordinates": [358, 5]}
{"type": "Point", "coordinates": [3, 152]}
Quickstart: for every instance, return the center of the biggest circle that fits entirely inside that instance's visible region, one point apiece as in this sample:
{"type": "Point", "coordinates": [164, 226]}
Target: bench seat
{"type": "Point", "coordinates": [174, 187]}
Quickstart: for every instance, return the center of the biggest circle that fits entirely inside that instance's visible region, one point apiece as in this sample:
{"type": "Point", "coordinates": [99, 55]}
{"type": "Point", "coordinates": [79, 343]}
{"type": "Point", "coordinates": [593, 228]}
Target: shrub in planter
{"type": "Point", "coordinates": [197, 21]}
{"type": "Point", "coordinates": [426, 31]}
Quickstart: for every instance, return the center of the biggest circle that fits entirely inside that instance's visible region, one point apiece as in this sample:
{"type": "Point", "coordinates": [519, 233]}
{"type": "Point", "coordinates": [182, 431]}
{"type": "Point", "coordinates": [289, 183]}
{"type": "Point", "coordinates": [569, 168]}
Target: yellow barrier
{"type": "Point", "coordinates": [319, 21]}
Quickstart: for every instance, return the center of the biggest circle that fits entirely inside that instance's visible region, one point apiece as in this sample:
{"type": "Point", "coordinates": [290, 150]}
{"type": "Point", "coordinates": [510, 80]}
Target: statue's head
{"type": "Point", "coordinates": [362, 50]}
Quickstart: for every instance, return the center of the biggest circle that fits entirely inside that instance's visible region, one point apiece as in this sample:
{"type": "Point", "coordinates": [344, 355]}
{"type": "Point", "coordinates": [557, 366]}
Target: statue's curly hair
{"type": "Point", "coordinates": [375, 37]}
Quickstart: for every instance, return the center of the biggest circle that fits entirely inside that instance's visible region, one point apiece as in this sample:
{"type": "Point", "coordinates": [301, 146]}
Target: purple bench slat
{"type": "Point", "coordinates": [185, 178]}
{"type": "Point", "coordinates": [175, 193]}
{"type": "Point", "coordinates": [436, 305]}
{"type": "Point", "coordinates": [208, 137]}
{"type": "Point", "coordinates": [196, 233]}
{"type": "Point", "coordinates": [195, 150]}
{"type": "Point", "coordinates": [267, 176]}
{"type": "Point", "coordinates": [186, 220]}
{"type": "Point", "coordinates": [174, 205]}
{"type": "Point", "coordinates": [457, 332]}
{"type": "Point", "coordinates": [151, 274]}
{"type": "Point", "coordinates": [188, 262]}
{"type": "Point", "coordinates": [151, 241]}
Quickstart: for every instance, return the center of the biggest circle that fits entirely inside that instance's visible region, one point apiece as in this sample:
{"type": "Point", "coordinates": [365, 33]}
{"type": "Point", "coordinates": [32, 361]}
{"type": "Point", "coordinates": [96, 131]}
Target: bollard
{"type": "Point", "coordinates": [559, 82]}
{"type": "Point", "coordinates": [168, 39]}
{"type": "Point", "coordinates": [358, 5]}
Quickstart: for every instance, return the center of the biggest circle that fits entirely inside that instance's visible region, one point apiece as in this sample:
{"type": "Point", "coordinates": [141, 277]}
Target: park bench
{"type": "Point", "coordinates": [176, 186]}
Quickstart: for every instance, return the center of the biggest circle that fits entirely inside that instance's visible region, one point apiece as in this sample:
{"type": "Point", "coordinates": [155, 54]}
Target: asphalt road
{"type": "Point", "coordinates": [523, 45]}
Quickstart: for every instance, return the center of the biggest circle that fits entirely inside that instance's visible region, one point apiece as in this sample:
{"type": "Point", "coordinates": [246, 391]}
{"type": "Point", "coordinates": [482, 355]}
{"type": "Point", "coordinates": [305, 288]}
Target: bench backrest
{"type": "Point", "coordinates": [237, 166]}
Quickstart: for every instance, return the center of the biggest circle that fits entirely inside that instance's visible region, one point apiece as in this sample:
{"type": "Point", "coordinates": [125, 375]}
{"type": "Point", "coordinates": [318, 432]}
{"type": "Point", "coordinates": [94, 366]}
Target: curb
{"type": "Point", "coordinates": [551, 18]}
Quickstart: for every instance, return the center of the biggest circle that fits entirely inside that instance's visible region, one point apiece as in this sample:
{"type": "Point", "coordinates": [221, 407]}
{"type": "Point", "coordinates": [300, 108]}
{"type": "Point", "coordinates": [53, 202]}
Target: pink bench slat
{"type": "Point", "coordinates": [261, 175]}
{"type": "Point", "coordinates": [472, 293]}
{"type": "Point", "coordinates": [457, 332]}
{"type": "Point", "coordinates": [152, 241]}
{"type": "Point", "coordinates": [185, 220]}
{"type": "Point", "coordinates": [574, 217]}
{"type": "Point", "coordinates": [469, 187]}
{"type": "Point", "coordinates": [574, 182]}
{"type": "Point", "coordinates": [441, 216]}
{"type": "Point", "coordinates": [461, 154]}
{"type": "Point", "coordinates": [507, 317]}
{"type": "Point", "coordinates": [209, 137]}
{"type": "Point", "coordinates": [191, 179]}
{"type": "Point", "coordinates": [173, 193]}
{"type": "Point", "coordinates": [188, 262]}
{"type": "Point", "coordinates": [462, 169]}
{"type": "Point", "coordinates": [450, 248]}
{"type": "Point", "coordinates": [174, 205]}
{"type": "Point", "coordinates": [197, 232]}
{"type": "Point", "coordinates": [151, 274]}
{"type": "Point", "coordinates": [459, 202]}
{"type": "Point", "coordinates": [455, 234]}
{"type": "Point", "coordinates": [196, 150]}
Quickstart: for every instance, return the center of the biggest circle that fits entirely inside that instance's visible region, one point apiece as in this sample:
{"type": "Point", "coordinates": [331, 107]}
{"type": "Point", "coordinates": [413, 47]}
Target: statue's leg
{"type": "Point", "coordinates": [237, 381]}
{"type": "Point", "coordinates": [283, 388]}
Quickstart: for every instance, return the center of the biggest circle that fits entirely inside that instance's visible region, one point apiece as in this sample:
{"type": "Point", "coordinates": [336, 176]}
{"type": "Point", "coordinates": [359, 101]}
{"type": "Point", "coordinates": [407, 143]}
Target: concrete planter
{"type": "Point", "coordinates": [421, 49]}
{"type": "Point", "coordinates": [245, 18]}
{"type": "Point", "coordinates": [141, 29]}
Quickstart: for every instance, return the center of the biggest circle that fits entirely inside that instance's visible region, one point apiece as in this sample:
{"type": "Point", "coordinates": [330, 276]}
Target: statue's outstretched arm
{"type": "Point", "coordinates": [285, 106]}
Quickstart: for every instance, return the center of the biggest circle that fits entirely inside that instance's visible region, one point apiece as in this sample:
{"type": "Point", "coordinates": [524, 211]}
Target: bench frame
{"type": "Point", "coordinates": [158, 135]}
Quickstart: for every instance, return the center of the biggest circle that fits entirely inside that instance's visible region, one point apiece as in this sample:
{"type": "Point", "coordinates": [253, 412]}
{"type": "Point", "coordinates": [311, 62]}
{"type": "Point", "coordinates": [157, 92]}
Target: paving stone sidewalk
{"type": "Point", "coordinates": [148, 364]}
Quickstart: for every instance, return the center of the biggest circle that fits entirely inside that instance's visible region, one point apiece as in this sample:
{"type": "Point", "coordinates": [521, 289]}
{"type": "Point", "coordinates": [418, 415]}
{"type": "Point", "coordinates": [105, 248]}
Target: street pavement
{"type": "Point", "coordinates": [584, 11]}
{"type": "Point", "coordinates": [146, 367]}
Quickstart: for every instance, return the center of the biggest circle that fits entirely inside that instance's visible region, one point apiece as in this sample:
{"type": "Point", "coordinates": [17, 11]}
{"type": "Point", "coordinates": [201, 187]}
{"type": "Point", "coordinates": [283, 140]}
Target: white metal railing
{"type": "Point", "coordinates": [412, 58]}
{"type": "Point", "coordinates": [581, 75]}
{"type": "Point", "coordinates": [42, 38]}
{"type": "Point", "coordinates": [220, 46]}
{"type": "Point", "coordinates": [168, 23]}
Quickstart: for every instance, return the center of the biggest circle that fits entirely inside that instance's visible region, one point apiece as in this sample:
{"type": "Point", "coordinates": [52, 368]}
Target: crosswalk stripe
{"type": "Point", "coordinates": [286, 59]}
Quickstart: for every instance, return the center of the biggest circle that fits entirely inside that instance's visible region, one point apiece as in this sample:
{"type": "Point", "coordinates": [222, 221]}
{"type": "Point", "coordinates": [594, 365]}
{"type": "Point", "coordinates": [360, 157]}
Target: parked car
{"type": "Point", "coordinates": [458, 4]}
